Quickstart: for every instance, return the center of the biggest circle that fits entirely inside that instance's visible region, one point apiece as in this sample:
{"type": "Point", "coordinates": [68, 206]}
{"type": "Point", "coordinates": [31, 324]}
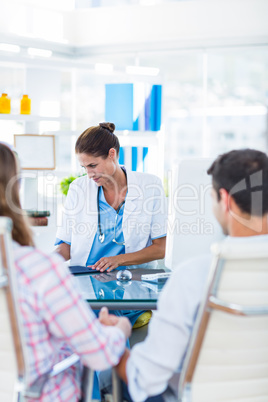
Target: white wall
{"type": "Point", "coordinates": [164, 26]}
{"type": "Point", "coordinates": [184, 24]}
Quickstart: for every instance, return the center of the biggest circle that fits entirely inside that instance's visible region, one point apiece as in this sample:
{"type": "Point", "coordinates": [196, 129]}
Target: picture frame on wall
{"type": "Point", "coordinates": [35, 152]}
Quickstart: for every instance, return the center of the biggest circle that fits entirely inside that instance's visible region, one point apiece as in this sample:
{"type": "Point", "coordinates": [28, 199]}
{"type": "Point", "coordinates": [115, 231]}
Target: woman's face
{"type": "Point", "coordinates": [98, 168]}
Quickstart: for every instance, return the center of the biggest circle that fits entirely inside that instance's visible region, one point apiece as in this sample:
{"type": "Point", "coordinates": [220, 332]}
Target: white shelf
{"type": "Point", "coordinates": [30, 117]}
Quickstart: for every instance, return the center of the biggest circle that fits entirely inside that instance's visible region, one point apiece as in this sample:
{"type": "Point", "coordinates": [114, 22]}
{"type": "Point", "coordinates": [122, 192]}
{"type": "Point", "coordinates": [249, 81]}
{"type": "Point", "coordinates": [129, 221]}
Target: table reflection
{"type": "Point", "coordinates": [102, 289]}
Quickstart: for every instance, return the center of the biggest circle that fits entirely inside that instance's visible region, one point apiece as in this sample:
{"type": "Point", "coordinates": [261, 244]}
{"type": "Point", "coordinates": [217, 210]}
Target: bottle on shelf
{"type": "Point", "coordinates": [5, 104]}
{"type": "Point", "coordinates": [25, 105]}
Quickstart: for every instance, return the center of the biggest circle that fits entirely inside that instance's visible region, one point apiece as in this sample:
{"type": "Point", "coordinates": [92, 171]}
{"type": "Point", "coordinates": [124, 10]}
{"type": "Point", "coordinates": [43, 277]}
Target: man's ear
{"type": "Point", "coordinates": [225, 199]}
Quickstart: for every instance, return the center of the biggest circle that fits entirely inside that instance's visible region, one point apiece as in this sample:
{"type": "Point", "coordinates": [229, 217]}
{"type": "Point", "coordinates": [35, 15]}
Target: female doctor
{"type": "Point", "coordinates": [112, 217]}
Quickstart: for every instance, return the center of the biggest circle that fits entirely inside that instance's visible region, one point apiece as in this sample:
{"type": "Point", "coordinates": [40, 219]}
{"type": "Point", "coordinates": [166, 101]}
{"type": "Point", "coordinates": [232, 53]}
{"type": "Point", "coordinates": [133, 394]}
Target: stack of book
{"type": "Point", "coordinates": [38, 218]}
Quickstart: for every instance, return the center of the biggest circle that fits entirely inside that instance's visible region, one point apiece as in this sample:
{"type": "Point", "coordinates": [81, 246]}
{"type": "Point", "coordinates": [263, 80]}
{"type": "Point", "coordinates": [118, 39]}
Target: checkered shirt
{"type": "Point", "coordinates": [57, 322]}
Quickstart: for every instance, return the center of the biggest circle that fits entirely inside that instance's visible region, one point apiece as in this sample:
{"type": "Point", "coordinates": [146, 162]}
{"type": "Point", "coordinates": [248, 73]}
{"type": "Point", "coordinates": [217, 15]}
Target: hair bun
{"type": "Point", "coordinates": [108, 126]}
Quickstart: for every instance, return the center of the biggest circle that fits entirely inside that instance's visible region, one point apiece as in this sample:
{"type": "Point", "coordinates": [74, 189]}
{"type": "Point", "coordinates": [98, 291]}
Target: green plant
{"type": "Point", "coordinates": [65, 183]}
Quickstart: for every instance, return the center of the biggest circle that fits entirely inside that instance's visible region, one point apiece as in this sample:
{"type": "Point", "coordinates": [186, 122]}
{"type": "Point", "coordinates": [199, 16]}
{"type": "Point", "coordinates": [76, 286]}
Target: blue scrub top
{"type": "Point", "coordinates": [107, 221]}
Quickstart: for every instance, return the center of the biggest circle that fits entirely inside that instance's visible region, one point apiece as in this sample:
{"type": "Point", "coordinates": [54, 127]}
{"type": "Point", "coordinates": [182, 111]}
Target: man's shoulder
{"type": "Point", "coordinates": [185, 288]}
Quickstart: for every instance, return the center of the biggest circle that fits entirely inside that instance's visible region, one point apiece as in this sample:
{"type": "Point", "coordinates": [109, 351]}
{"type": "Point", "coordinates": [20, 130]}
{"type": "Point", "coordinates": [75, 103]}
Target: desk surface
{"type": "Point", "coordinates": [102, 289]}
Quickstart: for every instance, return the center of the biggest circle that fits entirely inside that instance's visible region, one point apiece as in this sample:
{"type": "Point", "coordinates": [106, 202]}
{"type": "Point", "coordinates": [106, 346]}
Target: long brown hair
{"type": "Point", "coordinates": [9, 197]}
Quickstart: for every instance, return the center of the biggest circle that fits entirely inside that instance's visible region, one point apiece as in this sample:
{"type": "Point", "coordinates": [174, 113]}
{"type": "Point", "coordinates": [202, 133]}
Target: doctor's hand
{"type": "Point", "coordinates": [107, 263]}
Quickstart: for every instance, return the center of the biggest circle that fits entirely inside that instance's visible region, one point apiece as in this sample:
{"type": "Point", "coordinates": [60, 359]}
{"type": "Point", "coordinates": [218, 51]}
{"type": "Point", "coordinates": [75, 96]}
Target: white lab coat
{"type": "Point", "coordinates": [144, 218]}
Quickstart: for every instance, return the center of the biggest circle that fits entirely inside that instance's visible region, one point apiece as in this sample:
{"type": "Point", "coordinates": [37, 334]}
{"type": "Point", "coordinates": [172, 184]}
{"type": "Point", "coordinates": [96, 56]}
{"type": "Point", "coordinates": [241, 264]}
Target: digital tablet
{"type": "Point", "coordinates": [79, 269]}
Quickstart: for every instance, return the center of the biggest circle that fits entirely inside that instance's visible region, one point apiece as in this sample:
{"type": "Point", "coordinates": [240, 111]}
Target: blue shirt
{"type": "Point", "coordinates": [107, 221]}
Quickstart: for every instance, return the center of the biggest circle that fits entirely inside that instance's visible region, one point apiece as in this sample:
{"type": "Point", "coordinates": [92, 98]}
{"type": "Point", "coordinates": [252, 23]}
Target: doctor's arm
{"type": "Point", "coordinates": [155, 251]}
{"type": "Point", "coordinates": [64, 250]}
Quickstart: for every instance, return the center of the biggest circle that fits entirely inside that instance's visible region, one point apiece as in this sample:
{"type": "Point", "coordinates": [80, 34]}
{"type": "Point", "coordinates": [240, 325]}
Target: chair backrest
{"type": "Point", "coordinates": [12, 366]}
{"type": "Point", "coordinates": [227, 359]}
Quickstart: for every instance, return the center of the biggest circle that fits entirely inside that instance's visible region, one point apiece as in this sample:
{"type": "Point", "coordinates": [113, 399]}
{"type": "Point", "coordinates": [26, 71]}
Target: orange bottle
{"type": "Point", "coordinates": [5, 104]}
{"type": "Point", "coordinates": [25, 105]}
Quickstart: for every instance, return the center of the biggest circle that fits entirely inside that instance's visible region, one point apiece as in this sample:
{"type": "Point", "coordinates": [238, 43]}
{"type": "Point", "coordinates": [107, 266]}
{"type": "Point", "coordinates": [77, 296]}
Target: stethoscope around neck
{"type": "Point", "coordinates": [101, 234]}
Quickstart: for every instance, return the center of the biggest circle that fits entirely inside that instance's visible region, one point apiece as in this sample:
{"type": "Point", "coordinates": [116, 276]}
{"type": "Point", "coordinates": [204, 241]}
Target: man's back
{"type": "Point", "coordinates": [152, 362]}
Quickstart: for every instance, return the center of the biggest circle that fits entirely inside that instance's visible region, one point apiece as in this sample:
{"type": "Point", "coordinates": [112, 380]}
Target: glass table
{"type": "Point", "coordinates": [103, 289]}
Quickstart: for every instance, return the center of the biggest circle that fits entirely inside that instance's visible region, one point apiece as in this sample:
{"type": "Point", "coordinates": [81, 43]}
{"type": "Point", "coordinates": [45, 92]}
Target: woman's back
{"type": "Point", "coordinates": [57, 322]}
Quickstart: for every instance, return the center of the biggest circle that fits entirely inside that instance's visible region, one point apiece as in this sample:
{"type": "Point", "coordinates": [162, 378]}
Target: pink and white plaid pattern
{"type": "Point", "coordinates": [57, 322]}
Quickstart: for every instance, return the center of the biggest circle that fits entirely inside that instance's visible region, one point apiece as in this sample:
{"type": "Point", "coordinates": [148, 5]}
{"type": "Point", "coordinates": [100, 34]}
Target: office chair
{"type": "Point", "coordinates": [227, 359]}
{"type": "Point", "coordinates": [13, 375]}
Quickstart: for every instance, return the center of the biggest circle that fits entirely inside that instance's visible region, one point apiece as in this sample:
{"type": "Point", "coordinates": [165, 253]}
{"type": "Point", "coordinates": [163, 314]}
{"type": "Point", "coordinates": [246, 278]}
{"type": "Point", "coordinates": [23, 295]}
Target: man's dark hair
{"type": "Point", "coordinates": [244, 175]}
